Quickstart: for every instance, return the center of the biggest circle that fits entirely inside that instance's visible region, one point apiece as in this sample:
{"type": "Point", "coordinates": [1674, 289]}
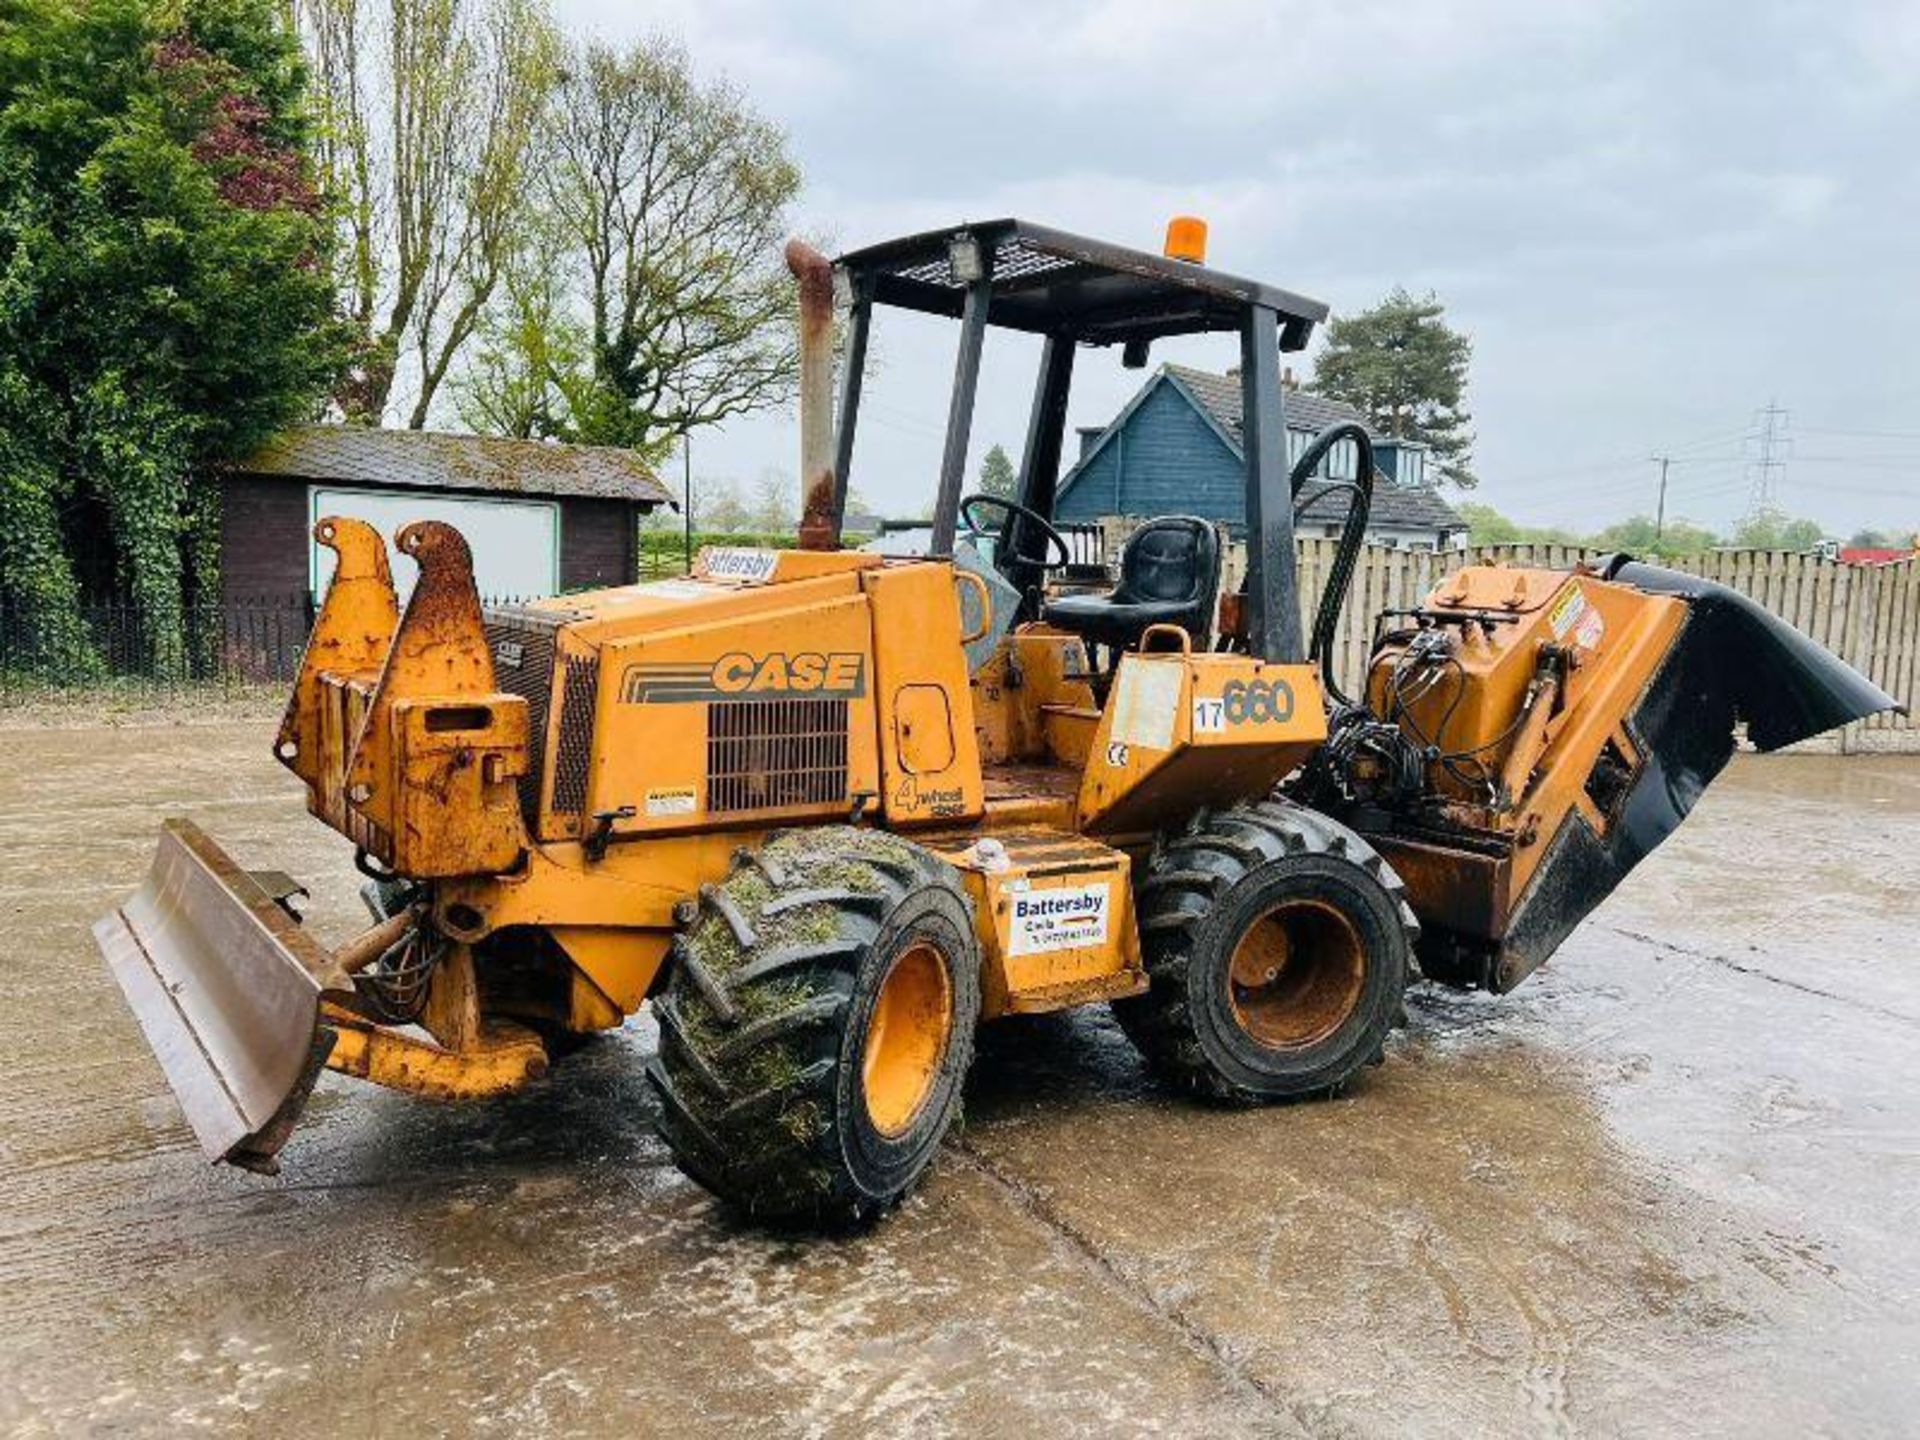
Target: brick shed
{"type": "Point", "coordinates": [541, 518]}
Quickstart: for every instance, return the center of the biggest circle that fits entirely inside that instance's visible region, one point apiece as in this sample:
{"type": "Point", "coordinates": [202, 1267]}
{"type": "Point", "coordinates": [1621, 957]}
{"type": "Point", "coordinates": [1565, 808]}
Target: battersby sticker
{"type": "Point", "coordinates": [673, 800]}
{"type": "Point", "coordinates": [751, 566]}
{"type": "Point", "coordinates": [1061, 919]}
{"type": "Point", "coordinates": [1567, 609]}
{"type": "Point", "coordinates": [808, 674]}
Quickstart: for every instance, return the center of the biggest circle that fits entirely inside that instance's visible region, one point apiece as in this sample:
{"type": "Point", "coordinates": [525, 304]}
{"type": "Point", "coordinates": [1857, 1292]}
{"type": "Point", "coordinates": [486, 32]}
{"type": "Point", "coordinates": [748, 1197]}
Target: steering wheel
{"type": "Point", "coordinates": [1051, 537]}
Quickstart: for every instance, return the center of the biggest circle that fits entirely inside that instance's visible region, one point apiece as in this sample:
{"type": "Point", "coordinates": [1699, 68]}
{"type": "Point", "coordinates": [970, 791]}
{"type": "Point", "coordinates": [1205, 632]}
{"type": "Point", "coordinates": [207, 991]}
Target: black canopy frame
{"type": "Point", "coordinates": [1074, 291]}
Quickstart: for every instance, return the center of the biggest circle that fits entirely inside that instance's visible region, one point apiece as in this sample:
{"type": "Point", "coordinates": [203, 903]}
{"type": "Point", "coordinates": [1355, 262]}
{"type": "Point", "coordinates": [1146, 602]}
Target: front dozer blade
{"type": "Point", "coordinates": [227, 988]}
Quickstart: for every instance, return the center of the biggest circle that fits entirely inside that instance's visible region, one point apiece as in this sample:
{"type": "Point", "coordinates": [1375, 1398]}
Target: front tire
{"type": "Point", "coordinates": [1277, 944]}
{"type": "Point", "coordinates": [817, 1024]}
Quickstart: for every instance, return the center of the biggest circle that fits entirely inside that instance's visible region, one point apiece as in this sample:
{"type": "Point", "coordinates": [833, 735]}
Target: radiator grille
{"type": "Point", "coordinates": [522, 646]}
{"type": "Point", "coordinates": [574, 749]}
{"type": "Point", "coordinates": [776, 754]}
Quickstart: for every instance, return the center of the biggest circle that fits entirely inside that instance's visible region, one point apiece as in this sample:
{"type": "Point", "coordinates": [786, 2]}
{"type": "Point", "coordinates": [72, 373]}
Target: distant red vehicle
{"type": "Point", "coordinates": [1873, 555]}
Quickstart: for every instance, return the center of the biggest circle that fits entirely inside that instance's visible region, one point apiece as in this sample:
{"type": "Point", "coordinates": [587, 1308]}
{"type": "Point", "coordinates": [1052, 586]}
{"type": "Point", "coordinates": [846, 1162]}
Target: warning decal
{"type": "Point", "coordinates": [673, 800]}
{"type": "Point", "coordinates": [1567, 609]}
{"type": "Point", "coordinates": [1061, 919]}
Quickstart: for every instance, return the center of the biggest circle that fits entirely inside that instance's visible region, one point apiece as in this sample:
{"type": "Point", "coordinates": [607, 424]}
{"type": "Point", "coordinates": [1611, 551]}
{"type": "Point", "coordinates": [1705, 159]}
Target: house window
{"type": "Point", "coordinates": [1413, 466]}
{"type": "Point", "coordinates": [1333, 531]}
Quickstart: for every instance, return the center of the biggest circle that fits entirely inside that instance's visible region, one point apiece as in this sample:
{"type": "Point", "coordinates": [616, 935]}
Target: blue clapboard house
{"type": "Point", "coordinates": [1175, 450]}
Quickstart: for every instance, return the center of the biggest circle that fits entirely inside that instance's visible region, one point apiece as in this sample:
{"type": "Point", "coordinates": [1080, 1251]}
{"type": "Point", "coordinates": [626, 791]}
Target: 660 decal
{"type": "Point", "coordinates": [1243, 702]}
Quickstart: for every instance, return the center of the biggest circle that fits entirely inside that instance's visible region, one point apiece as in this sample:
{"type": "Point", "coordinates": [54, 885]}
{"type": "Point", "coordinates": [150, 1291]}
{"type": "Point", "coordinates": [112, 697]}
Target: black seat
{"type": "Point", "coordinates": [1169, 571]}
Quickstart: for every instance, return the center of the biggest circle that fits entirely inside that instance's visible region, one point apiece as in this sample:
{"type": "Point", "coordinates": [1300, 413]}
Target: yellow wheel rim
{"type": "Point", "coordinates": [1297, 974]}
{"type": "Point", "coordinates": [907, 1038]}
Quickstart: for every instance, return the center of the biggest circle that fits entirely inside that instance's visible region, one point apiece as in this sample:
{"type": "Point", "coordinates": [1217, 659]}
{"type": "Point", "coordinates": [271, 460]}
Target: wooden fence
{"type": "Point", "coordinates": [1867, 615]}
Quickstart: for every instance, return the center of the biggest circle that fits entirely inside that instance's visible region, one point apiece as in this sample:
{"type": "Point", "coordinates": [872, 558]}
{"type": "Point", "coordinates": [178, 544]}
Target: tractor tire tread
{"type": "Point", "coordinates": [758, 997]}
{"type": "Point", "coordinates": [1225, 846]}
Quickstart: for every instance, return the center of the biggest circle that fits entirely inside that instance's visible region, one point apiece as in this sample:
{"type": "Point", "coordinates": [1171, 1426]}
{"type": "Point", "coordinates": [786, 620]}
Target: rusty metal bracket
{"type": "Point", "coordinates": [351, 635]}
{"type": "Point", "coordinates": [439, 649]}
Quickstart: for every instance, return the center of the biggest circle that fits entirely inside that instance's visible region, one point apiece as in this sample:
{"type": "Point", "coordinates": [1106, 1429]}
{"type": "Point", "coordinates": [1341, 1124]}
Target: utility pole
{"type": "Point", "coordinates": [1775, 445]}
{"type": "Point", "coordinates": [1660, 508]}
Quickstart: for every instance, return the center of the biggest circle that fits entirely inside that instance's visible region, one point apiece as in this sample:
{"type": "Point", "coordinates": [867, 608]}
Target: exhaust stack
{"type": "Point", "coordinates": [820, 511]}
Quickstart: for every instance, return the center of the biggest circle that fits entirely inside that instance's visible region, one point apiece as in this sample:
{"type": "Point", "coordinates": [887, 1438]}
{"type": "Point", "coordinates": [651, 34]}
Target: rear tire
{"type": "Point", "coordinates": [1277, 944]}
{"type": "Point", "coordinates": [817, 1024]}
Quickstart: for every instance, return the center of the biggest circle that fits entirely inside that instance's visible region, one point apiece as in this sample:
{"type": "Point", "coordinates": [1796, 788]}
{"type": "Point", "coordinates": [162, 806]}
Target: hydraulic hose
{"type": "Point", "coordinates": [1333, 598]}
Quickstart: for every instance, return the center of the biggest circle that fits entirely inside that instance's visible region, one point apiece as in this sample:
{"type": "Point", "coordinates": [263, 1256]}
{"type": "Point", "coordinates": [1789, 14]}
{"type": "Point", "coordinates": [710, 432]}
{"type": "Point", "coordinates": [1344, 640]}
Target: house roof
{"type": "Point", "coordinates": [1394, 507]}
{"type": "Point", "coordinates": [433, 460]}
{"type": "Point", "coordinates": [1218, 396]}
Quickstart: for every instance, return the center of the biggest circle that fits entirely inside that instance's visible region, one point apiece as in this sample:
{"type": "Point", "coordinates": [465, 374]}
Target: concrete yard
{"type": "Point", "coordinates": [1672, 1184]}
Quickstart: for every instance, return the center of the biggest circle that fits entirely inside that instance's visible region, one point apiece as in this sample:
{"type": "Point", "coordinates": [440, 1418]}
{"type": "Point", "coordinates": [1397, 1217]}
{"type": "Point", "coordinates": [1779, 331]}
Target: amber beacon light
{"type": "Point", "coordinates": [1187, 239]}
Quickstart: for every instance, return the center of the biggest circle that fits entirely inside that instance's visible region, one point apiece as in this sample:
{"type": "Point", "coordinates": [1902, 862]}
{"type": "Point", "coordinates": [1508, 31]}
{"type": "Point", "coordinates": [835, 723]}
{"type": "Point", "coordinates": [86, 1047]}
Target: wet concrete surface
{"type": "Point", "coordinates": [1668, 1185]}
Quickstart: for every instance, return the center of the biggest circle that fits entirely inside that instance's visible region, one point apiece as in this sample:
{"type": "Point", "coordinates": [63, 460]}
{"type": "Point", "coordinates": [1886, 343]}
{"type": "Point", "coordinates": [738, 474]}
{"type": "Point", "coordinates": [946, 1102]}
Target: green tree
{"type": "Point", "coordinates": [429, 114]}
{"type": "Point", "coordinates": [1773, 529]}
{"type": "Point", "coordinates": [717, 506]}
{"type": "Point", "coordinates": [776, 502]}
{"type": "Point", "coordinates": [1870, 539]}
{"type": "Point", "coordinates": [1403, 367]}
{"type": "Point", "coordinates": [1637, 535]}
{"type": "Point", "coordinates": [672, 197]}
{"type": "Point", "coordinates": [997, 475]}
{"type": "Point", "coordinates": [165, 302]}
{"type": "Point", "coordinates": [526, 342]}
{"type": "Point", "coordinates": [1487, 526]}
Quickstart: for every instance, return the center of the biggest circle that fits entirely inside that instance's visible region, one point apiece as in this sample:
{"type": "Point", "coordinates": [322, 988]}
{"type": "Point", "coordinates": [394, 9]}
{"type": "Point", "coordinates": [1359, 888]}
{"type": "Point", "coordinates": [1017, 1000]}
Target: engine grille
{"type": "Point", "coordinates": [580, 688]}
{"type": "Point", "coordinates": [522, 642]}
{"type": "Point", "coordinates": [775, 754]}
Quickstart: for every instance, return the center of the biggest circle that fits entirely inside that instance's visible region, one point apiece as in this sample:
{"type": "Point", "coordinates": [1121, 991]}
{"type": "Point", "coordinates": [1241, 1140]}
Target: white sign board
{"type": "Point", "coordinates": [1063, 918]}
{"type": "Point", "coordinates": [515, 543]}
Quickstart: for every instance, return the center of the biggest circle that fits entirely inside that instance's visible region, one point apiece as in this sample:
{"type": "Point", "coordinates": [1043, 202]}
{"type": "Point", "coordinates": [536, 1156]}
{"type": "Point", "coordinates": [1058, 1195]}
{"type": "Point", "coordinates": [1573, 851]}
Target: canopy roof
{"type": "Point", "coordinates": [1051, 283]}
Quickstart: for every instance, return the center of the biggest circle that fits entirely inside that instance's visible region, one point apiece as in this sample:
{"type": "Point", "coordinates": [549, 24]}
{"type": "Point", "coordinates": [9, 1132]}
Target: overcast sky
{"type": "Point", "coordinates": [1652, 218]}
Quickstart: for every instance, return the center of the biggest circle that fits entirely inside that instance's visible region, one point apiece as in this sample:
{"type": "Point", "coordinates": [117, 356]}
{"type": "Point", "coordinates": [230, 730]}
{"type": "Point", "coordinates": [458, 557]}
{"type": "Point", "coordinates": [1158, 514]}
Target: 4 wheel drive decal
{"type": "Point", "coordinates": [740, 676]}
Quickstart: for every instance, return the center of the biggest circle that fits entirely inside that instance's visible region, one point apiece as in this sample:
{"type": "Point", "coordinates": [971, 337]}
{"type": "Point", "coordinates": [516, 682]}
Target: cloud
{"type": "Point", "coordinates": [1652, 217]}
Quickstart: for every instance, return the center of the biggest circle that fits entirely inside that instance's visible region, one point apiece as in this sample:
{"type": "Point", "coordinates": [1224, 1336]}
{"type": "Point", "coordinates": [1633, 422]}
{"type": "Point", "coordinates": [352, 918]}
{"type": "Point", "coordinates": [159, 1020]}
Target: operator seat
{"type": "Point", "coordinates": [1169, 573]}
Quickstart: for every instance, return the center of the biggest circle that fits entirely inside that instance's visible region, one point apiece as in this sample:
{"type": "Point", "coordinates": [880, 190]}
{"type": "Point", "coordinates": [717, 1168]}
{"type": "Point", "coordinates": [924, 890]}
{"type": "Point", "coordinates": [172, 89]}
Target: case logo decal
{"type": "Point", "coordinates": [740, 676]}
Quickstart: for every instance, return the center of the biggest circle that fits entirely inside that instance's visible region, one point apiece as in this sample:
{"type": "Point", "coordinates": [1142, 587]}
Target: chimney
{"type": "Point", "coordinates": [1287, 380]}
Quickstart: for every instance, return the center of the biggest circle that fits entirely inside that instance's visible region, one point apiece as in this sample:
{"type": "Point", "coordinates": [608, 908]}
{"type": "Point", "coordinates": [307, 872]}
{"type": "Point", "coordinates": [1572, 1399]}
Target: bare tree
{"type": "Point", "coordinates": [672, 195]}
{"type": "Point", "coordinates": [429, 113]}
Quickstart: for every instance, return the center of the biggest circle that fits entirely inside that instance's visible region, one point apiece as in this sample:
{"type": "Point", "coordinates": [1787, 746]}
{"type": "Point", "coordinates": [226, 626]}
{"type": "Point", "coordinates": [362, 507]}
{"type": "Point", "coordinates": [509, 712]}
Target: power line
{"type": "Point", "coordinates": [1865, 462]}
{"type": "Point", "coordinates": [1861, 434]}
